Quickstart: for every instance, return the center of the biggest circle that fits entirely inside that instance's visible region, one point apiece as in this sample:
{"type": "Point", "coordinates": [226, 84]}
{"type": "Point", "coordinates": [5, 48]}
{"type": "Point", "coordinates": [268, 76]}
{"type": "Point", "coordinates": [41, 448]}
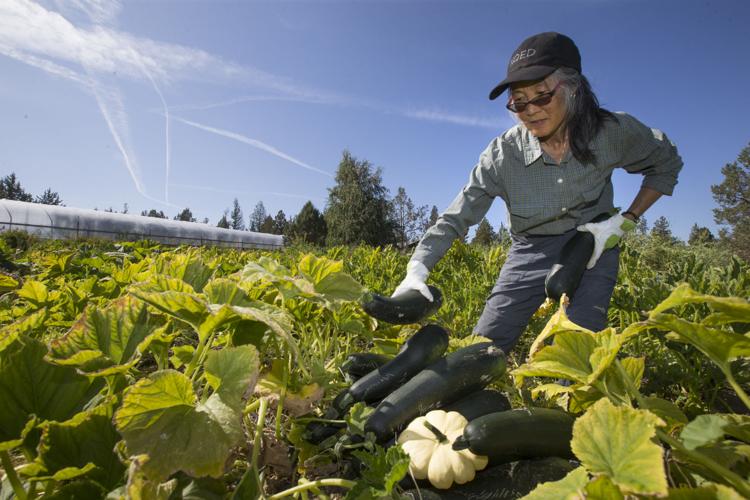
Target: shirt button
{"type": "Point", "coordinates": [559, 181]}
{"type": "Point", "coordinates": [564, 209]}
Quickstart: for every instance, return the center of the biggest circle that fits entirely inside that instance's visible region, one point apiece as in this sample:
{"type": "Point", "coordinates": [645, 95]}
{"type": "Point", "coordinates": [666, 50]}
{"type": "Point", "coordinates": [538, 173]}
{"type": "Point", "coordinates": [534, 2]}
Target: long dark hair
{"type": "Point", "coordinates": [584, 116]}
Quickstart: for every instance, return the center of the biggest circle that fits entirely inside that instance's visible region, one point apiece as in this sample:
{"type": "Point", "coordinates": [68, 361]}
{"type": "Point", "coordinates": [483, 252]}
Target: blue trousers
{"type": "Point", "coordinates": [519, 290]}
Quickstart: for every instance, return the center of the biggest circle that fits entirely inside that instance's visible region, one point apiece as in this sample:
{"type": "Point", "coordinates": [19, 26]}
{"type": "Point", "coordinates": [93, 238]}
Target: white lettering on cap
{"type": "Point", "coordinates": [524, 54]}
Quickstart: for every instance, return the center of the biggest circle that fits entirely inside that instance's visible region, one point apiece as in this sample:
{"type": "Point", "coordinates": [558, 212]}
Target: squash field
{"type": "Point", "coordinates": [141, 371]}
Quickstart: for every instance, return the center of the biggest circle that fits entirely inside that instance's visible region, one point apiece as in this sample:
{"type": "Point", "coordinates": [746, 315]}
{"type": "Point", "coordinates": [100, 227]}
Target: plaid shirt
{"type": "Point", "coordinates": [544, 198]}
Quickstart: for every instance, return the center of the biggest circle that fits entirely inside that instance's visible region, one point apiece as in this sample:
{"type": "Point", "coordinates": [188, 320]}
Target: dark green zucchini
{"type": "Point", "coordinates": [565, 274]}
{"type": "Point", "coordinates": [359, 364]}
{"type": "Point", "coordinates": [424, 347]}
{"type": "Point", "coordinates": [316, 432]}
{"type": "Point", "coordinates": [408, 307]}
{"type": "Point", "coordinates": [512, 435]}
{"type": "Point", "coordinates": [479, 403]}
{"type": "Point", "coordinates": [443, 382]}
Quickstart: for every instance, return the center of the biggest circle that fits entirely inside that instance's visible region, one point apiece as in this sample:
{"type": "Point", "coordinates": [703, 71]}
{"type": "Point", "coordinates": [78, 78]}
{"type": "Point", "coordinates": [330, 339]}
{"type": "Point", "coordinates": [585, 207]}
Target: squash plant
{"type": "Point", "coordinates": [621, 436]}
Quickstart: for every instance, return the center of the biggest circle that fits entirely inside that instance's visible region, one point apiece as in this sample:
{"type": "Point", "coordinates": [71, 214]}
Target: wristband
{"type": "Point", "coordinates": [636, 218]}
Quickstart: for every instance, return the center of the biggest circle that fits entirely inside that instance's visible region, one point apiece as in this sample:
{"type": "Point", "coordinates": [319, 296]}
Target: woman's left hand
{"type": "Point", "coordinates": [606, 234]}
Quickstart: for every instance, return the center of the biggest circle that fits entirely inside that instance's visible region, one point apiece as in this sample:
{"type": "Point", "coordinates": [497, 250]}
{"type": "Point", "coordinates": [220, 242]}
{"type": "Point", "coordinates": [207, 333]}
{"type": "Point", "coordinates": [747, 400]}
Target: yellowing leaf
{"type": "Point", "coordinates": [617, 442]}
{"type": "Point", "coordinates": [571, 487]}
{"type": "Point", "coordinates": [734, 308]}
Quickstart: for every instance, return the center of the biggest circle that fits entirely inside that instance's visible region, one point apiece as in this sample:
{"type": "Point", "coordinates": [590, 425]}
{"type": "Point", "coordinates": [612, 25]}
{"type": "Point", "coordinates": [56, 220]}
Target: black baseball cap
{"type": "Point", "coordinates": [537, 57]}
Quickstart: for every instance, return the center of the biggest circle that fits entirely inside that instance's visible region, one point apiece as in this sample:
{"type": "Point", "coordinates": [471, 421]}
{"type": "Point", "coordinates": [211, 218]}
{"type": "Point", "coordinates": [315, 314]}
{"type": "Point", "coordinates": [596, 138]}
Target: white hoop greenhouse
{"type": "Point", "coordinates": [56, 222]}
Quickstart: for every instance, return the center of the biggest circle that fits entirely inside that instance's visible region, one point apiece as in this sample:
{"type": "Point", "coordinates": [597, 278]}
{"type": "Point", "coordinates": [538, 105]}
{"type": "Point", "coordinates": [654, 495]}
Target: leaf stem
{"type": "Point", "coordinates": [742, 486]}
{"type": "Point", "coordinates": [10, 471]}
{"type": "Point", "coordinates": [341, 483]}
{"type": "Point", "coordinates": [257, 440]}
{"type": "Point", "coordinates": [737, 388]}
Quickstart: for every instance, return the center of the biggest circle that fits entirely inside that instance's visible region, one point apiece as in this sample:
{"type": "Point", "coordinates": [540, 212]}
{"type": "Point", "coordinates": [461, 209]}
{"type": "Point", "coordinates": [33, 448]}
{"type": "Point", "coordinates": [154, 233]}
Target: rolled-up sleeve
{"type": "Point", "coordinates": [467, 209]}
{"type": "Point", "coordinates": [649, 152]}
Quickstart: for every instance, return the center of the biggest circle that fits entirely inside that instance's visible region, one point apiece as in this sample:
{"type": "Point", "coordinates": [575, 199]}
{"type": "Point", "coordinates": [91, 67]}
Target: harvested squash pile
{"type": "Point", "coordinates": [436, 405]}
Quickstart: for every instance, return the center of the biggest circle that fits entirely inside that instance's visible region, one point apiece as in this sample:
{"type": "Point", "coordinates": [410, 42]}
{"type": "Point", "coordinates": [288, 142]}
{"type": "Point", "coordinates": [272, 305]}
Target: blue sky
{"type": "Point", "coordinates": [173, 104]}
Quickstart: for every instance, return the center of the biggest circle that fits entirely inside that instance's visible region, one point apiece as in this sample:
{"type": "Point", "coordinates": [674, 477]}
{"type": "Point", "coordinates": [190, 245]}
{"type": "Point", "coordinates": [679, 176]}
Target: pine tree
{"type": "Point", "coordinates": [257, 217]}
{"type": "Point", "coordinates": [661, 230]}
{"type": "Point", "coordinates": [410, 222]}
{"type": "Point", "coordinates": [358, 209]}
{"type": "Point", "coordinates": [154, 213]}
{"type": "Point", "coordinates": [236, 217]}
{"type": "Point", "coordinates": [309, 226]}
{"type": "Point", "coordinates": [224, 221]}
{"type": "Point", "coordinates": [267, 226]}
{"type": "Point", "coordinates": [433, 216]}
{"type": "Point", "coordinates": [700, 235]}
{"type": "Point", "coordinates": [485, 235]}
{"type": "Point", "coordinates": [280, 223]}
{"type": "Point", "coordinates": [733, 197]}
{"type": "Point", "coordinates": [641, 227]}
{"type": "Point", "coordinates": [186, 215]}
{"type": "Point", "coordinates": [49, 197]}
{"type": "Point", "coordinates": [10, 189]}
{"type": "Point", "coordinates": [503, 235]}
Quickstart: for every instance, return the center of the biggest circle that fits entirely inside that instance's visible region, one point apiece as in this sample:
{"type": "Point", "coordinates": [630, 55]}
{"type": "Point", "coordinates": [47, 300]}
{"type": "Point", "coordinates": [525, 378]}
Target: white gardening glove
{"type": "Point", "coordinates": [606, 234]}
{"type": "Point", "coordinates": [416, 277]}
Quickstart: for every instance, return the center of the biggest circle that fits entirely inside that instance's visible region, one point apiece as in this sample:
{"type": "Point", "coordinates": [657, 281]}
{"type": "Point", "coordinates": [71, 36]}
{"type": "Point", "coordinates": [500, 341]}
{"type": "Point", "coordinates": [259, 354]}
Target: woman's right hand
{"type": "Point", "coordinates": [416, 277]}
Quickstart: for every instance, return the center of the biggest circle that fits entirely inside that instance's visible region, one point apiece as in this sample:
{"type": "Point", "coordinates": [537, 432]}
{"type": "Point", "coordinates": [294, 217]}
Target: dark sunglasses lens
{"type": "Point", "coordinates": [542, 100]}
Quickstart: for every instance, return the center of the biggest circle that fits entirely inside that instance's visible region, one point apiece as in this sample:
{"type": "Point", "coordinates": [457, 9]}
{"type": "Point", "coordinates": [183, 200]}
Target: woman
{"type": "Point", "coordinates": [553, 170]}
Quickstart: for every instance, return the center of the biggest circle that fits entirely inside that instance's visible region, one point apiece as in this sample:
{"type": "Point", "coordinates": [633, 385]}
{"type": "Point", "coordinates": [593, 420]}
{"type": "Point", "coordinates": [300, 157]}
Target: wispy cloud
{"type": "Point", "coordinates": [252, 142]}
{"type": "Point", "coordinates": [435, 115]}
{"type": "Point", "coordinates": [32, 29]}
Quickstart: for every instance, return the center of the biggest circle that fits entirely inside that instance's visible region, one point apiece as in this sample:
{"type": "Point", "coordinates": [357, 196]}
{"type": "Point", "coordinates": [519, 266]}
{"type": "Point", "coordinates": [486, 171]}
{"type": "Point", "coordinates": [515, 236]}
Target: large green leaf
{"type": "Point", "coordinates": [570, 487]}
{"type": "Point", "coordinates": [140, 487]}
{"type": "Point", "coordinates": [734, 309]}
{"type": "Point", "coordinates": [707, 491]}
{"type": "Point", "coordinates": [232, 371]}
{"type": "Point", "coordinates": [35, 292]}
{"type": "Point", "coordinates": [30, 385]}
{"type": "Point", "coordinates": [720, 346]}
{"type": "Point", "coordinates": [618, 441]}
{"type": "Point", "coordinates": [7, 283]}
{"type": "Point", "coordinates": [185, 266]}
{"type": "Point", "coordinates": [277, 320]}
{"type": "Point", "coordinates": [567, 358]}
{"type": "Point", "coordinates": [161, 417]}
{"type": "Point", "coordinates": [73, 446]}
{"type": "Point", "coordinates": [225, 291]}
{"type": "Point", "coordinates": [108, 340]}
{"type": "Point", "coordinates": [188, 307]}
{"type": "Point", "coordinates": [329, 279]}
{"type": "Point", "coordinates": [27, 325]}
{"type": "Point", "coordinates": [710, 429]}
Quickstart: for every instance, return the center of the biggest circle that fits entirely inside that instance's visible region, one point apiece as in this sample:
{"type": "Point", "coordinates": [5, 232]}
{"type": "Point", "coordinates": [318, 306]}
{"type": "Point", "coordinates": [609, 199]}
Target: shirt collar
{"type": "Point", "coordinates": [532, 149]}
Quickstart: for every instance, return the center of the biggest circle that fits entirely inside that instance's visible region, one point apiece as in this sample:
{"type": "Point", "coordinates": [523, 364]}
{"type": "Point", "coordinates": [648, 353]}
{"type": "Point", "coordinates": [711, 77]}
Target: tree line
{"type": "Point", "coordinates": [360, 210]}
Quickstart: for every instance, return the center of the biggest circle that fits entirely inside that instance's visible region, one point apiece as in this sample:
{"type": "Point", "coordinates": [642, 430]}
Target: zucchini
{"type": "Point", "coordinates": [359, 364]}
{"type": "Point", "coordinates": [316, 432]}
{"type": "Point", "coordinates": [462, 372]}
{"type": "Point", "coordinates": [423, 348]}
{"type": "Point", "coordinates": [565, 274]}
{"type": "Point", "coordinates": [508, 436]}
{"type": "Point", "coordinates": [408, 307]}
{"type": "Point", "coordinates": [479, 403]}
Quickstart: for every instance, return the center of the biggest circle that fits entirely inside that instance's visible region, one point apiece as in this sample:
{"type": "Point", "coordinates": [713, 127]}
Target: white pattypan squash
{"type": "Point", "coordinates": [428, 440]}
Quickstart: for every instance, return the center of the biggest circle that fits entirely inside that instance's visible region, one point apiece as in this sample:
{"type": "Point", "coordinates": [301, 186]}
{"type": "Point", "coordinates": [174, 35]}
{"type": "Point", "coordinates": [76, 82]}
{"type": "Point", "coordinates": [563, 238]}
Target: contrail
{"type": "Point", "coordinates": [166, 120]}
{"type": "Point", "coordinates": [252, 142]}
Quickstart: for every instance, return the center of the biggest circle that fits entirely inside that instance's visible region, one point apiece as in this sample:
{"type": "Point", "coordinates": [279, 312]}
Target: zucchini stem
{"type": "Point", "coordinates": [439, 435]}
{"type": "Point", "coordinates": [341, 483]}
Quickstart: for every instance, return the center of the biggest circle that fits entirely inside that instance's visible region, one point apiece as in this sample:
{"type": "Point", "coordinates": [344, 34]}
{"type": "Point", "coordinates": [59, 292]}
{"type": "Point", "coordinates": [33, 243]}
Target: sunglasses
{"type": "Point", "coordinates": [541, 100]}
